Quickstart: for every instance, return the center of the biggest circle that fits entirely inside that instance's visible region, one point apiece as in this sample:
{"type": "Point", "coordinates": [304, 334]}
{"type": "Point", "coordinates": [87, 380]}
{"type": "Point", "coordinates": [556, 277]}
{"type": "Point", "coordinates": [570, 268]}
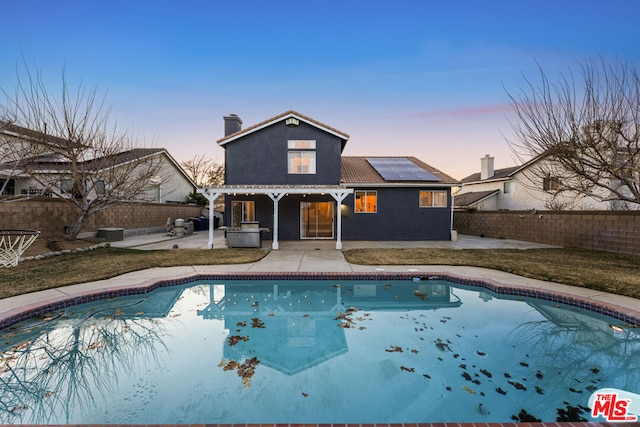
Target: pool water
{"type": "Point", "coordinates": [312, 352]}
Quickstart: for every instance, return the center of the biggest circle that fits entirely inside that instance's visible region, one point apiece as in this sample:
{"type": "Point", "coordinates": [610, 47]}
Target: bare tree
{"type": "Point", "coordinates": [204, 171]}
{"type": "Point", "coordinates": [82, 155]}
{"type": "Point", "coordinates": [585, 131]}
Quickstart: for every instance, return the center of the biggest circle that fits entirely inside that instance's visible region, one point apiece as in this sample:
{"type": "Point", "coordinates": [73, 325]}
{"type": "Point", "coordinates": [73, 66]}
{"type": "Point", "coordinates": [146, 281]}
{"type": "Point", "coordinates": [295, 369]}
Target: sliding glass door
{"type": "Point", "coordinates": [316, 220]}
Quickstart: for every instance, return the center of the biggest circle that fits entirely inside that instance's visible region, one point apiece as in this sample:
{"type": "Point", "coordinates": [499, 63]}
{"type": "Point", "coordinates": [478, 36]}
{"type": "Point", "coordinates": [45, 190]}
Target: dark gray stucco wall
{"type": "Point", "coordinates": [399, 217]}
{"type": "Point", "coordinates": [260, 158]}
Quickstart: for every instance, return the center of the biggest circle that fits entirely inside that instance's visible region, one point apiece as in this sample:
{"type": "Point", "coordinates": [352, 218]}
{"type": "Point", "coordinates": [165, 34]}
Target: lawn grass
{"type": "Point", "coordinates": [31, 276]}
{"type": "Point", "coordinates": [605, 271]}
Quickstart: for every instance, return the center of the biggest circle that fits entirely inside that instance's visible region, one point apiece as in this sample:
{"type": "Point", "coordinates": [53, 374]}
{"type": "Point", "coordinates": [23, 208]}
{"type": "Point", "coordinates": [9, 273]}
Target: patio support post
{"type": "Point", "coordinates": [276, 198]}
{"type": "Point", "coordinates": [211, 196]}
{"type": "Point", "coordinates": [339, 197]}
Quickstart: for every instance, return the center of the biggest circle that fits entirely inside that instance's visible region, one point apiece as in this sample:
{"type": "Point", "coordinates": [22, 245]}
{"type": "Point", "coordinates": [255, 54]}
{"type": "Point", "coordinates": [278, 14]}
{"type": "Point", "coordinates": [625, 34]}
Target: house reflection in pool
{"type": "Point", "coordinates": [301, 325]}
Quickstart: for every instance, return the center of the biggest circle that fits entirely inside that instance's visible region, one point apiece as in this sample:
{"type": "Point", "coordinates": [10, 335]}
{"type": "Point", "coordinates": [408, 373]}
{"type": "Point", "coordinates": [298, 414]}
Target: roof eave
{"type": "Point", "coordinates": [230, 138]}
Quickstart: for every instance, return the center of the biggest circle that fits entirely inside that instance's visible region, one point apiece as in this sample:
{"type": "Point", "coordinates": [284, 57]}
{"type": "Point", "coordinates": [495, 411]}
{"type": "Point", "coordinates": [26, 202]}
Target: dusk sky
{"type": "Point", "coordinates": [422, 78]}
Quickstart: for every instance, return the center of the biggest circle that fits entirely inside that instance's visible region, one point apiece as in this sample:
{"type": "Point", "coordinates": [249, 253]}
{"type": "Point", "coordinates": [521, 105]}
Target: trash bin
{"type": "Point", "coordinates": [196, 224]}
{"type": "Point", "coordinates": [204, 223]}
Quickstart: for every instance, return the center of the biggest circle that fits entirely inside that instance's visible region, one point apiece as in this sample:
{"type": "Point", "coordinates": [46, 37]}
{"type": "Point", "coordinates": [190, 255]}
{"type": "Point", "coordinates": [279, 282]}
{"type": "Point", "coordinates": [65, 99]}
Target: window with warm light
{"type": "Point", "coordinates": [433, 199]}
{"type": "Point", "coordinates": [366, 202]}
{"type": "Point", "coordinates": [301, 156]}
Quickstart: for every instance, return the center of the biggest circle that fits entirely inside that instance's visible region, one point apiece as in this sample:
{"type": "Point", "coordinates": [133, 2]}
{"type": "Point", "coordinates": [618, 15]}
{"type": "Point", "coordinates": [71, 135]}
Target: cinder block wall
{"type": "Point", "coordinates": [613, 231]}
{"type": "Point", "coordinates": [50, 216]}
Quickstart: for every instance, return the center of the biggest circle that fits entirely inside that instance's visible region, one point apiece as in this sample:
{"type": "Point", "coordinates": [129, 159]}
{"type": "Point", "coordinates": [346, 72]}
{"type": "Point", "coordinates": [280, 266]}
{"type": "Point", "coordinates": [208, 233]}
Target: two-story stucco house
{"type": "Point", "coordinates": [288, 175]}
{"type": "Point", "coordinates": [520, 188]}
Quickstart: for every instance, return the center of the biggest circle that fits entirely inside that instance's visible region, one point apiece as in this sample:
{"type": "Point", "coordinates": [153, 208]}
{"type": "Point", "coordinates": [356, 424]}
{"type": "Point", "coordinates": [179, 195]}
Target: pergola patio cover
{"type": "Point", "coordinates": [275, 193]}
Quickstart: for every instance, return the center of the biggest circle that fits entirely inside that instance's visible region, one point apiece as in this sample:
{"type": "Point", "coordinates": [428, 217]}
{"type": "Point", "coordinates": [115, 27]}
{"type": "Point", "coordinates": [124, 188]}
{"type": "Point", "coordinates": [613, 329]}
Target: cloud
{"type": "Point", "coordinates": [465, 112]}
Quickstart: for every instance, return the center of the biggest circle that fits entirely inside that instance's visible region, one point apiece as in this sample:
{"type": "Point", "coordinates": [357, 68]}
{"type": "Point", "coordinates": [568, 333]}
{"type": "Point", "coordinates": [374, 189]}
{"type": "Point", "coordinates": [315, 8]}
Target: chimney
{"type": "Point", "coordinates": [486, 167]}
{"type": "Point", "coordinates": [232, 124]}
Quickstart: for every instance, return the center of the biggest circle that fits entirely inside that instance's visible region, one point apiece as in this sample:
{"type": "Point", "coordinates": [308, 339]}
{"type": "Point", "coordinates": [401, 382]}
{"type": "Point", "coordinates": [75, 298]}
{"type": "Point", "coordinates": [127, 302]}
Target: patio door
{"type": "Point", "coordinates": [316, 220]}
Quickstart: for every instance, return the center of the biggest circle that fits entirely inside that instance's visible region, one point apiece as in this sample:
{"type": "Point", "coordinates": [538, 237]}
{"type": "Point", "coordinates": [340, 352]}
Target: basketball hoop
{"type": "Point", "coordinates": [13, 243]}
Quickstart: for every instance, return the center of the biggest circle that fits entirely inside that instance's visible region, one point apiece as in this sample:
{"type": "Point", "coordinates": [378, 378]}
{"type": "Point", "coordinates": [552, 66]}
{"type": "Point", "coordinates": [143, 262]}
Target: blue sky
{"type": "Point", "coordinates": [422, 78]}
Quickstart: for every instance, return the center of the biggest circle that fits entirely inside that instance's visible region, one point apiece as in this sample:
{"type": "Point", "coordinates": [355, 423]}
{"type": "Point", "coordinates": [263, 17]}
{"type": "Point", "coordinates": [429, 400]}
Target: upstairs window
{"type": "Point", "coordinates": [366, 202]}
{"type": "Point", "coordinates": [551, 184]}
{"type": "Point", "coordinates": [508, 187]}
{"type": "Point", "coordinates": [301, 157]}
{"type": "Point", "coordinates": [433, 199]}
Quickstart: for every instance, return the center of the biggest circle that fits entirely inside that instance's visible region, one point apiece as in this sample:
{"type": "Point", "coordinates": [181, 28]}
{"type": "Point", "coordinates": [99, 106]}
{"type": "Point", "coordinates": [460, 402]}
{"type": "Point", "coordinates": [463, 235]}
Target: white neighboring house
{"type": "Point", "coordinates": [518, 188]}
{"type": "Point", "coordinates": [172, 184]}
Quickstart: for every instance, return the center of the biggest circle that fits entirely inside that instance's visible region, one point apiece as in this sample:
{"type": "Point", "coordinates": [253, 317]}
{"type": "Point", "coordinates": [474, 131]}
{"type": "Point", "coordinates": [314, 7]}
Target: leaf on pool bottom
{"type": "Point", "coordinates": [517, 385]}
{"type": "Point", "coordinates": [18, 408]}
{"type": "Point", "coordinates": [501, 391]}
{"type": "Point", "coordinates": [95, 345]}
{"type": "Point", "coordinates": [468, 390]}
{"type": "Point", "coordinates": [245, 370]}
{"type": "Point", "coordinates": [241, 324]}
{"type": "Point", "coordinates": [304, 394]}
{"type": "Point", "coordinates": [394, 349]}
{"type": "Point", "coordinates": [257, 323]}
{"type": "Point", "coordinates": [21, 346]}
{"type": "Point", "coordinates": [539, 390]}
{"type": "Point", "coordinates": [486, 373]}
{"type": "Point", "coordinates": [51, 393]}
{"type": "Point", "coordinates": [442, 346]}
{"type": "Point", "coordinates": [235, 339]}
{"type": "Point", "coordinates": [404, 368]}
{"type": "Point", "coordinates": [420, 295]}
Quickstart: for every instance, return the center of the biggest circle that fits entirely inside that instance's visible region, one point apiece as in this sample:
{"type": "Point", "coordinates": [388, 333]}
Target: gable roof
{"type": "Point", "coordinates": [357, 170]}
{"type": "Point", "coordinates": [468, 199]}
{"type": "Point", "coordinates": [33, 135]}
{"type": "Point", "coordinates": [504, 173]}
{"type": "Point", "coordinates": [279, 118]}
{"type": "Point", "coordinates": [497, 174]}
{"type": "Point", "coordinates": [55, 163]}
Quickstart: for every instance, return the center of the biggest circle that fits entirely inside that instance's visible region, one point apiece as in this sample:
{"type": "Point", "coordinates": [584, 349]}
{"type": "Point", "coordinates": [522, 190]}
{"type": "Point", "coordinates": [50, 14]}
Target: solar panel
{"type": "Point", "coordinates": [400, 169]}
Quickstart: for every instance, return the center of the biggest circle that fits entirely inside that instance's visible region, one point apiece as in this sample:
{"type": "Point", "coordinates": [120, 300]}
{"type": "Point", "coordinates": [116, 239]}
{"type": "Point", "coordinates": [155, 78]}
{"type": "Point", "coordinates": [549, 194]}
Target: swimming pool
{"type": "Point", "coordinates": [394, 349]}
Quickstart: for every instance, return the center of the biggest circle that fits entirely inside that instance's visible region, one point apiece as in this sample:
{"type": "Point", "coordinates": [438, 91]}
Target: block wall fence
{"type": "Point", "coordinates": [612, 231]}
{"type": "Point", "coordinates": [50, 216]}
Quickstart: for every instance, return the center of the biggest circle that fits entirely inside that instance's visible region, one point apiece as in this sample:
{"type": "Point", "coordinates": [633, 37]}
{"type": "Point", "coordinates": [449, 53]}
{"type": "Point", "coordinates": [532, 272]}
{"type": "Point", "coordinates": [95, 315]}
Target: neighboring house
{"type": "Point", "coordinates": [288, 175]}
{"type": "Point", "coordinates": [518, 188]}
{"type": "Point", "coordinates": [171, 184]}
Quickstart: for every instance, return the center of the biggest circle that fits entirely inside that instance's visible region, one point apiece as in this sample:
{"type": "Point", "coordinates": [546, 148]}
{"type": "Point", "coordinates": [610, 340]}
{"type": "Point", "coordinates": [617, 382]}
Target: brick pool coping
{"type": "Point", "coordinates": [24, 312]}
